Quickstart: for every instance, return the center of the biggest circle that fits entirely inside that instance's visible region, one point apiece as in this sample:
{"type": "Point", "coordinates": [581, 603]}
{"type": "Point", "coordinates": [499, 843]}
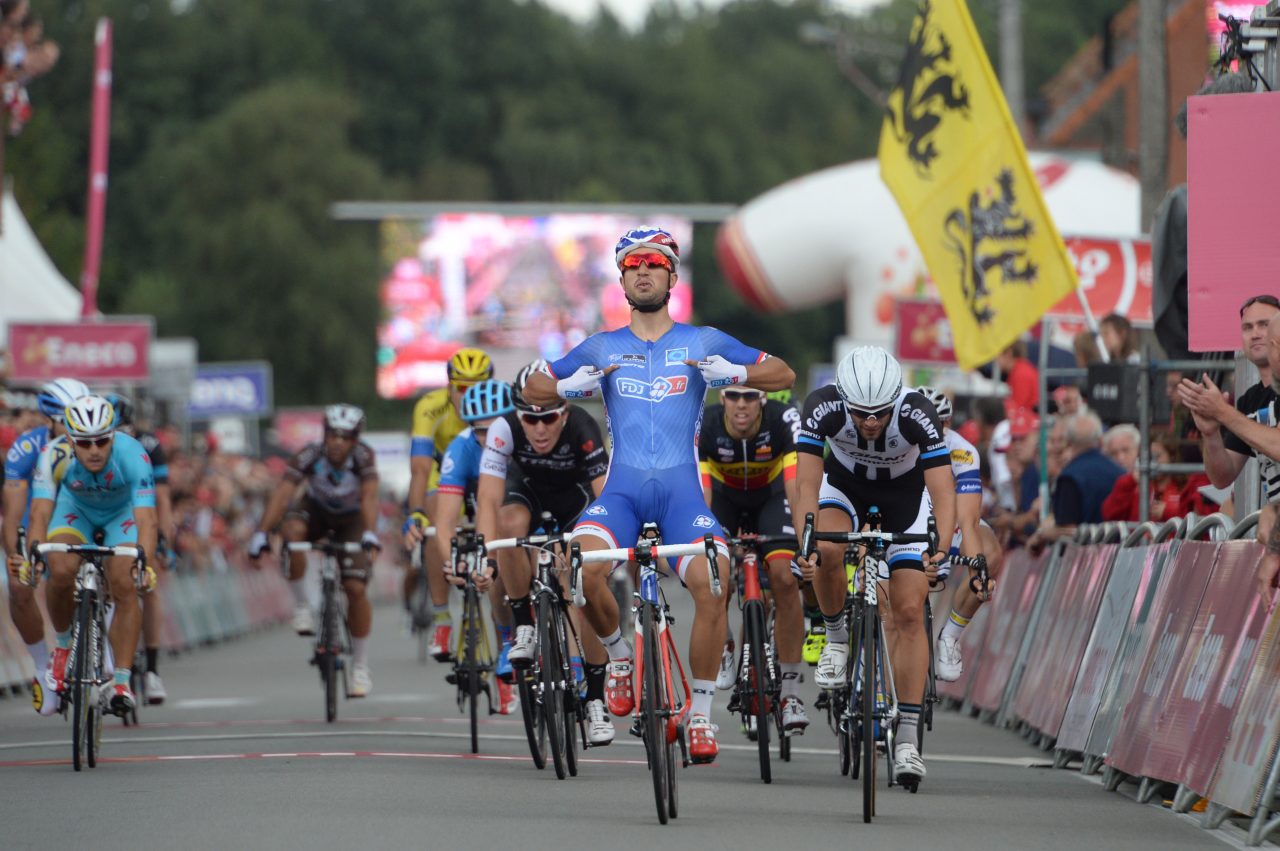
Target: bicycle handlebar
{"type": "Point", "coordinates": [643, 552]}
{"type": "Point", "coordinates": [90, 550]}
{"type": "Point", "coordinates": [810, 536]}
{"type": "Point", "coordinates": [759, 540]}
{"type": "Point", "coordinates": [526, 541]}
{"type": "Point", "coordinates": [326, 547]}
{"type": "Point", "coordinates": [980, 580]}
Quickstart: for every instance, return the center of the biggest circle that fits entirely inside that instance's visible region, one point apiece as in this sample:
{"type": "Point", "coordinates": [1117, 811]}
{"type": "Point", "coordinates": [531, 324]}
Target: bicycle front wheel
{"type": "Point", "coordinates": [652, 711]}
{"type": "Point", "coordinates": [77, 683]}
{"type": "Point", "coordinates": [327, 656]}
{"type": "Point", "coordinates": [553, 693]}
{"type": "Point", "coordinates": [758, 683]}
{"type": "Point", "coordinates": [871, 682]}
{"type": "Point", "coordinates": [471, 660]}
{"type": "Point", "coordinates": [535, 722]}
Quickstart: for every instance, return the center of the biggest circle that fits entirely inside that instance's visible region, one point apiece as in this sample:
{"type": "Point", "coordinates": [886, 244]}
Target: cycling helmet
{"type": "Point", "coordinates": [654, 239]}
{"type": "Point", "coordinates": [783, 396]}
{"type": "Point", "coordinates": [343, 417]}
{"type": "Point", "coordinates": [939, 400]}
{"type": "Point", "coordinates": [90, 416]}
{"type": "Point", "coordinates": [54, 396]}
{"type": "Point", "coordinates": [486, 400]}
{"type": "Point", "coordinates": [868, 378]}
{"type": "Point", "coordinates": [522, 377]}
{"type": "Point", "coordinates": [470, 365]}
{"type": "Point", "coordinates": [123, 407]}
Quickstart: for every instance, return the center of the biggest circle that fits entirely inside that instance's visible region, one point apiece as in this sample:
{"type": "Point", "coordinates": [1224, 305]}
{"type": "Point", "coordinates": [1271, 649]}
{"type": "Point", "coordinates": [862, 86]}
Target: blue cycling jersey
{"type": "Point", "coordinates": [460, 469]}
{"type": "Point", "coordinates": [654, 401]}
{"type": "Point", "coordinates": [127, 481]}
{"type": "Point", "coordinates": [21, 460]}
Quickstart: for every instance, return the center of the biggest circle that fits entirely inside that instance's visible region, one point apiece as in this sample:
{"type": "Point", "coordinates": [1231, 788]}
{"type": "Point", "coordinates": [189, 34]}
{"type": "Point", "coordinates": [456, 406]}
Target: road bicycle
{"type": "Point", "coordinates": [86, 665]}
{"type": "Point", "coordinates": [473, 660]}
{"type": "Point", "coordinates": [865, 707]}
{"type": "Point", "coordinates": [333, 640]}
{"type": "Point", "coordinates": [661, 711]}
{"type": "Point", "coordinates": [757, 691]}
{"type": "Point", "coordinates": [421, 611]}
{"type": "Point", "coordinates": [553, 710]}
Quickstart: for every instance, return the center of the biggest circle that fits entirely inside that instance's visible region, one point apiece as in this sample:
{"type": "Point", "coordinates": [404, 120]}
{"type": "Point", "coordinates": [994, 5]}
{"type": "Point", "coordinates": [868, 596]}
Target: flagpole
{"type": "Point", "coordinates": [1092, 324]}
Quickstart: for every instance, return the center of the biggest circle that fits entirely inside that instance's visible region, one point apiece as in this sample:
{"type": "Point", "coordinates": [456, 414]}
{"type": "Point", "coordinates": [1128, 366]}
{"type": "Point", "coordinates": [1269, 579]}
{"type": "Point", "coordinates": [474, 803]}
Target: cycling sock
{"type": "Point", "coordinates": [837, 632]}
{"type": "Point", "coordinates": [121, 676]}
{"type": "Point", "coordinates": [595, 681]}
{"type": "Point", "coordinates": [39, 653]}
{"type": "Point", "coordinates": [64, 640]}
{"type": "Point", "coordinates": [521, 610]}
{"type": "Point", "coordinates": [299, 589]}
{"type": "Point", "coordinates": [442, 615]}
{"type": "Point", "coordinates": [909, 723]}
{"type": "Point", "coordinates": [617, 646]}
{"type": "Point", "coordinates": [955, 625]}
{"type": "Point", "coordinates": [791, 678]}
{"type": "Point", "coordinates": [360, 650]}
{"type": "Point", "coordinates": [703, 691]}
{"type": "Point", "coordinates": [152, 656]}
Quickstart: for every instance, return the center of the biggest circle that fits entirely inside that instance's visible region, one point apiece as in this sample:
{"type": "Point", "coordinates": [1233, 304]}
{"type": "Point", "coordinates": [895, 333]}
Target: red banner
{"type": "Point", "coordinates": [922, 333]}
{"type": "Point", "coordinates": [1115, 276]}
{"type": "Point", "coordinates": [1010, 612]}
{"type": "Point", "coordinates": [297, 427]}
{"type": "Point", "coordinates": [1171, 617]}
{"type": "Point", "coordinates": [90, 351]}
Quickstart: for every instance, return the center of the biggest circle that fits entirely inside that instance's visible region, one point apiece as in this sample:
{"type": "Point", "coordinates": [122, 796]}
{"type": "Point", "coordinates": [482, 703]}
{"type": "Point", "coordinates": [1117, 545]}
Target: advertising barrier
{"type": "Point", "coordinates": [1010, 611]}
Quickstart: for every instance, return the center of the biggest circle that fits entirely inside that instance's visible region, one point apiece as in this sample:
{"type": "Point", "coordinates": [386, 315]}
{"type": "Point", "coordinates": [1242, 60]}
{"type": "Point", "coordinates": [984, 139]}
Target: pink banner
{"type": "Point", "coordinates": [99, 138]}
{"type": "Point", "coordinates": [1175, 609]}
{"type": "Point", "coordinates": [90, 351]}
{"type": "Point", "coordinates": [1010, 611]}
{"type": "Point", "coordinates": [1220, 653]}
{"type": "Point", "coordinates": [1232, 252]}
{"type": "Point", "coordinates": [296, 427]}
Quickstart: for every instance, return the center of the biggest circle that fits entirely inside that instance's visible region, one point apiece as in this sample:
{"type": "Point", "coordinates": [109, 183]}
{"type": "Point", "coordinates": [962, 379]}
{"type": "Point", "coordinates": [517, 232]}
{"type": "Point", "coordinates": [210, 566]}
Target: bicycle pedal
{"type": "Point", "coordinates": [635, 728]}
{"type": "Point", "coordinates": [451, 678]}
{"type": "Point", "coordinates": [823, 701]}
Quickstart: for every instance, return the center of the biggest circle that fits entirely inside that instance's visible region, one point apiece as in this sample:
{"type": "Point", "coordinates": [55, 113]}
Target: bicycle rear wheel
{"type": "Point", "coordinates": [930, 681]}
{"type": "Point", "coordinates": [81, 692]}
{"type": "Point", "coordinates": [870, 684]}
{"type": "Point", "coordinates": [654, 725]}
{"type": "Point", "coordinates": [535, 722]}
{"type": "Point", "coordinates": [757, 682]}
{"type": "Point", "coordinates": [553, 693]}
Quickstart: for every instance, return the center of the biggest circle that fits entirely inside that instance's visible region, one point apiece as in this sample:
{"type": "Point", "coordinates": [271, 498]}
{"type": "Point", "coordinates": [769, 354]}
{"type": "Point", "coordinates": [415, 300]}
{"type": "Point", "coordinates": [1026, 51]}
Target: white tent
{"type": "Point", "coordinates": [31, 288]}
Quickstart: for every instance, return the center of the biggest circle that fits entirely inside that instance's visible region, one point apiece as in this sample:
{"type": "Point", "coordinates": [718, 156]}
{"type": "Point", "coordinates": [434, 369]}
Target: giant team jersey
{"type": "Point", "coordinates": [654, 402]}
{"type": "Point", "coordinates": [21, 460]}
{"type": "Point", "coordinates": [910, 444]}
{"type": "Point", "coordinates": [126, 480]}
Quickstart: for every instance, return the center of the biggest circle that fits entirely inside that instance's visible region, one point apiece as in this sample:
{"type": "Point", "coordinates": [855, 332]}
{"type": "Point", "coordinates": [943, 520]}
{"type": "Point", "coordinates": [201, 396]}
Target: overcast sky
{"type": "Point", "coordinates": [632, 12]}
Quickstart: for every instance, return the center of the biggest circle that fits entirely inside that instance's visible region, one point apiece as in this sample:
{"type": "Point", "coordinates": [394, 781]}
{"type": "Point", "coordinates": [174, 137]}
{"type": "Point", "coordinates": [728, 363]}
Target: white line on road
{"type": "Point", "coordinates": [213, 702]}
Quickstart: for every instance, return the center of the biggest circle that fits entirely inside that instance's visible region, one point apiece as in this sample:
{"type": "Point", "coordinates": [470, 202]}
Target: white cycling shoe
{"type": "Point", "coordinates": [521, 653]}
{"type": "Point", "coordinates": [361, 682]}
{"type": "Point", "coordinates": [154, 687]}
{"type": "Point", "coordinates": [728, 670]}
{"type": "Point", "coordinates": [908, 767]}
{"type": "Point", "coordinates": [599, 727]}
{"type": "Point", "coordinates": [832, 665]}
{"type": "Point", "coordinates": [304, 622]}
{"type": "Point", "coordinates": [950, 665]}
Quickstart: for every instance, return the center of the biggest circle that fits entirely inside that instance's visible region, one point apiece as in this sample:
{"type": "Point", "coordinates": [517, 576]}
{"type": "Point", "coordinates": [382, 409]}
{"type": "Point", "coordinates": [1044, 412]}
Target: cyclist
{"type": "Point", "coordinates": [653, 376]}
{"type": "Point", "coordinates": [340, 505]}
{"type": "Point", "coordinates": [106, 486]}
{"type": "Point", "coordinates": [435, 424]}
{"type": "Point", "coordinates": [887, 450]}
{"type": "Point", "coordinates": [747, 455]}
{"type": "Point", "coordinates": [19, 469]}
{"type": "Point", "coordinates": [972, 537]}
{"type": "Point", "coordinates": [151, 603]}
{"type": "Point", "coordinates": [483, 406]}
{"type": "Point", "coordinates": [542, 459]}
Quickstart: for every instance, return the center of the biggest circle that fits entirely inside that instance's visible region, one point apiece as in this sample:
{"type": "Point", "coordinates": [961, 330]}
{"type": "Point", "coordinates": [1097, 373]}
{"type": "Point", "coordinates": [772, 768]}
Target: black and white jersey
{"type": "Point", "coordinates": [912, 443]}
{"type": "Point", "coordinates": [578, 457]}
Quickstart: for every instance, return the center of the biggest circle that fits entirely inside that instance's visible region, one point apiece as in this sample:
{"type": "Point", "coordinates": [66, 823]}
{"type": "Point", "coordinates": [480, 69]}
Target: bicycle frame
{"type": "Point", "coordinates": [332, 638]}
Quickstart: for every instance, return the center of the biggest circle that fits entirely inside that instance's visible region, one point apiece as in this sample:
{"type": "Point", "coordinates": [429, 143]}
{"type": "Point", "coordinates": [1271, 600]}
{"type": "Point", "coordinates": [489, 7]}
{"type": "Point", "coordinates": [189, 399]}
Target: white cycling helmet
{"type": "Point", "coordinates": [55, 395]}
{"type": "Point", "coordinates": [90, 416]}
{"type": "Point", "coordinates": [343, 418]}
{"type": "Point", "coordinates": [939, 399]}
{"type": "Point", "coordinates": [868, 379]}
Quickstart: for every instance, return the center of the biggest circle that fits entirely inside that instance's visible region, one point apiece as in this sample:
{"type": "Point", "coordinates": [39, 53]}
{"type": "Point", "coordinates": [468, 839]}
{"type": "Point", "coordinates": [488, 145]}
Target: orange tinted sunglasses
{"type": "Point", "coordinates": [649, 258]}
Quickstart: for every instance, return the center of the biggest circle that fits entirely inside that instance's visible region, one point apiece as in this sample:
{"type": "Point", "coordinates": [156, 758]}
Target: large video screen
{"type": "Point", "coordinates": [518, 287]}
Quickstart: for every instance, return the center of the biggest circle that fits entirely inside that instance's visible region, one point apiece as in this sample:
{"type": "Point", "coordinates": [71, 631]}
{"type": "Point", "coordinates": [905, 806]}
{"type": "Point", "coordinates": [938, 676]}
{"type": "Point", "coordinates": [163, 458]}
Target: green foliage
{"type": "Point", "coordinates": [236, 124]}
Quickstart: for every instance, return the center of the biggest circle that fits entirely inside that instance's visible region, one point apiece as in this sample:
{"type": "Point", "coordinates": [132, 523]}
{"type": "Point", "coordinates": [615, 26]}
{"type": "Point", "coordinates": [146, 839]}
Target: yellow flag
{"type": "Point", "coordinates": [952, 157]}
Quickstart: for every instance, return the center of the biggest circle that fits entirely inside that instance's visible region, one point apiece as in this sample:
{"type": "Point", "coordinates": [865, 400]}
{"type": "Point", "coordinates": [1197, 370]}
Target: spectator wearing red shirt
{"type": "Point", "coordinates": [1021, 376]}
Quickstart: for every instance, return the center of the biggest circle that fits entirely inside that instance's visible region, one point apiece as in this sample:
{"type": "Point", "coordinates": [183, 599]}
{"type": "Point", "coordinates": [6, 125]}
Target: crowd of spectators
{"type": "Point", "coordinates": [27, 54]}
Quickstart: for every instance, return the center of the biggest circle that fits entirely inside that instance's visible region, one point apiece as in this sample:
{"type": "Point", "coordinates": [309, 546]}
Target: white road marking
{"type": "Point", "coordinates": [213, 702]}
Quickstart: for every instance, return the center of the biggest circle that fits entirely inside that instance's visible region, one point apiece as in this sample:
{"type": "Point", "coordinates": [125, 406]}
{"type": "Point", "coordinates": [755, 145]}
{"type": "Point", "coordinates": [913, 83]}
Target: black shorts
{"type": "Point", "coordinates": [903, 503]}
{"type": "Point", "coordinates": [339, 528]}
{"type": "Point", "coordinates": [563, 502]}
{"type": "Point", "coordinates": [762, 512]}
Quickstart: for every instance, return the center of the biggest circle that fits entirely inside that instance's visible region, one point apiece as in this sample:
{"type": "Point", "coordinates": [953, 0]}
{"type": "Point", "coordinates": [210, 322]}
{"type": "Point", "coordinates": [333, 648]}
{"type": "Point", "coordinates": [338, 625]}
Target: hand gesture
{"type": "Point", "coordinates": [584, 383]}
{"type": "Point", "coordinates": [718, 372]}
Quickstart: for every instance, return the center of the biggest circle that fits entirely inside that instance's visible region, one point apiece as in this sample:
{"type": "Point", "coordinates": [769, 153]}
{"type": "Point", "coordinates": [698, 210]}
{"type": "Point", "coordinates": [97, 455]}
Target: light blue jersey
{"type": "Point", "coordinates": [85, 501]}
{"type": "Point", "coordinates": [460, 468]}
{"type": "Point", "coordinates": [22, 459]}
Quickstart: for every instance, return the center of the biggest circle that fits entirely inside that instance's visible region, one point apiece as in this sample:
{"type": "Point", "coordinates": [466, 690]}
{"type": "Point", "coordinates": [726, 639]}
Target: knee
{"type": "Point", "coordinates": [782, 581]}
{"type": "Point", "coordinates": [293, 530]}
{"type": "Point", "coordinates": [354, 589]}
{"type": "Point", "coordinates": [832, 558]}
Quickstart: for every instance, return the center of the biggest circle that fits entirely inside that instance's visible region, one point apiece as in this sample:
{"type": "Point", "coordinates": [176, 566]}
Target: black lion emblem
{"type": "Point", "coordinates": [986, 237]}
{"type": "Point", "coordinates": [924, 102]}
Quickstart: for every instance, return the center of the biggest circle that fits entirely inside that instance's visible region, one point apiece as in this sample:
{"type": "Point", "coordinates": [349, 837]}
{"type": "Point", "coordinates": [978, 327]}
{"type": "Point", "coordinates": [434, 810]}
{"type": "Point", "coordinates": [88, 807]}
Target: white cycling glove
{"type": "Point", "coordinates": [258, 544]}
{"type": "Point", "coordinates": [583, 384]}
{"type": "Point", "coordinates": [370, 541]}
{"type": "Point", "coordinates": [718, 372]}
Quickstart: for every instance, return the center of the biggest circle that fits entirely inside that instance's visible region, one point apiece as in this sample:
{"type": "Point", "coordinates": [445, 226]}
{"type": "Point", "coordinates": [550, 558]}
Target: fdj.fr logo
{"type": "Point", "coordinates": [660, 389]}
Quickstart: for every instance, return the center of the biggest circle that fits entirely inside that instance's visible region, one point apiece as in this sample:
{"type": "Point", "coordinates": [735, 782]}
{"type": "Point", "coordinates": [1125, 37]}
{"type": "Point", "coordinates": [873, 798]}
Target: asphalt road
{"type": "Point", "coordinates": [240, 757]}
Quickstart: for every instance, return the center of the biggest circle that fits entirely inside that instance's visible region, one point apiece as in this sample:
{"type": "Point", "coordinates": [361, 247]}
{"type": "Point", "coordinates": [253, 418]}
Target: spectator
{"type": "Point", "coordinates": [1015, 526]}
{"type": "Point", "coordinates": [1021, 376]}
{"type": "Point", "coordinates": [1119, 338]}
{"type": "Point", "coordinates": [1121, 444]}
{"type": "Point", "coordinates": [1068, 400]}
{"type": "Point", "coordinates": [1086, 348]}
{"type": "Point", "coordinates": [1166, 490]}
{"type": "Point", "coordinates": [1083, 484]}
{"type": "Point", "coordinates": [1230, 435]}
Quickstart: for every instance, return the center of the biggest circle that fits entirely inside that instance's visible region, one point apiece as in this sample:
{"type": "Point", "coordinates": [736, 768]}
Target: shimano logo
{"type": "Point", "coordinates": [922, 418]}
{"type": "Point", "coordinates": [660, 389]}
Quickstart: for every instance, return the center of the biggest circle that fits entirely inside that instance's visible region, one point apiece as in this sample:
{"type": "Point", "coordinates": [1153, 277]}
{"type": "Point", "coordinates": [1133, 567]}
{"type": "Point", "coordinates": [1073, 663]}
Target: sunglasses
{"type": "Point", "coordinates": [872, 415]}
{"type": "Point", "coordinates": [342, 434]}
{"type": "Point", "coordinates": [741, 395]}
{"type": "Point", "coordinates": [88, 442]}
{"type": "Point", "coordinates": [535, 419]}
{"type": "Point", "coordinates": [648, 258]}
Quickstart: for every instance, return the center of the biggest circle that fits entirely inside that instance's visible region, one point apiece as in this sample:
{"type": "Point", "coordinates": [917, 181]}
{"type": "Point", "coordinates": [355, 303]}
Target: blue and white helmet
{"type": "Point", "coordinates": [654, 239]}
{"type": "Point", "coordinates": [57, 394]}
{"type": "Point", "coordinates": [486, 400]}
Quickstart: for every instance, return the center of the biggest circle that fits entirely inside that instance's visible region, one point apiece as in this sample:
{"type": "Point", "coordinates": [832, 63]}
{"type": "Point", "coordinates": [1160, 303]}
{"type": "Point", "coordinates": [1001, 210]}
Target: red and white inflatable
{"type": "Point", "coordinates": [838, 233]}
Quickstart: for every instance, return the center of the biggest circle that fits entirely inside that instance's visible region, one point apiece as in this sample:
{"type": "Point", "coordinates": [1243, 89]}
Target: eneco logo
{"type": "Point", "coordinates": [62, 354]}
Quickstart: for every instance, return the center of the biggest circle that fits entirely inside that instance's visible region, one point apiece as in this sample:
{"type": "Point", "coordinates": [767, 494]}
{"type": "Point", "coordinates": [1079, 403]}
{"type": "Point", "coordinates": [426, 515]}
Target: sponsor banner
{"type": "Point", "coordinates": [296, 427]}
{"type": "Point", "coordinates": [1220, 653]}
{"type": "Point", "coordinates": [105, 351]}
{"type": "Point", "coordinates": [1115, 277]}
{"type": "Point", "coordinates": [1039, 661]}
{"type": "Point", "coordinates": [231, 390]}
{"type": "Point", "coordinates": [1255, 729]}
{"type": "Point", "coordinates": [972, 641]}
{"type": "Point", "coordinates": [1103, 648]}
{"type": "Point", "coordinates": [1123, 675]}
{"type": "Point", "coordinates": [1171, 619]}
{"type": "Point", "coordinates": [922, 333]}
{"type": "Point", "coordinates": [1010, 612]}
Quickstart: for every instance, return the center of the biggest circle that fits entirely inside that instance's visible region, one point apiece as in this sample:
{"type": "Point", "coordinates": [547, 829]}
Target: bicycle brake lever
{"type": "Point", "coordinates": [575, 575]}
{"type": "Point", "coordinates": [713, 566]}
